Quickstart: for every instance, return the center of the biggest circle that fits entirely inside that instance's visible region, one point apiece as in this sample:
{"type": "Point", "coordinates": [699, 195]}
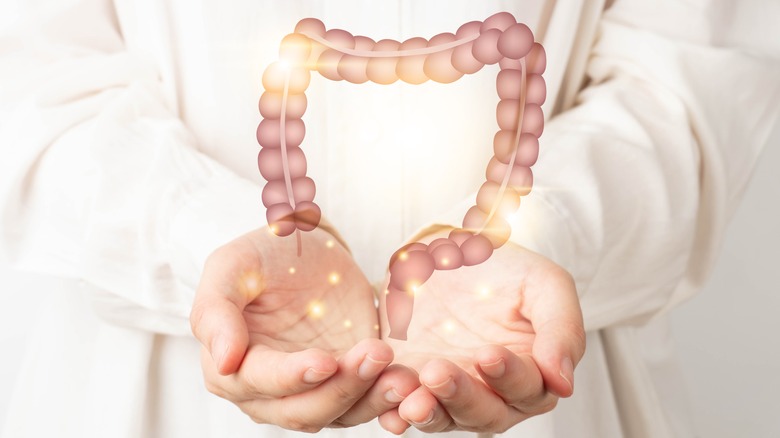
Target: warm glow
{"type": "Point", "coordinates": [291, 270]}
{"type": "Point", "coordinates": [334, 278]}
{"type": "Point", "coordinates": [484, 292]}
{"type": "Point", "coordinates": [316, 309]}
{"type": "Point", "coordinates": [347, 323]}
{"type": "Point", "coordinates": [445, 261]}
{"type": "Point", "coordinates": [273, 229]}
{"type": "Point", "coordinates": [251, 284]}
{"type": "Point", "coordinates": [387, 291]}
{"type": "Point", "coordinates": [330, 243]}
{"type": "Point", "coordinates": [376, 326]}
{"type": "Point", "coordinates": [403, 256]}
{"type": "Point", "coordinates": [449, 326]}
{"type": "Point", "coordinates": [284, 64]}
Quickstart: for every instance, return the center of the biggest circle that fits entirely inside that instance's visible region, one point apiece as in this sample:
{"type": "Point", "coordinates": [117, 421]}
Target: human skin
{"type": "Point", "coordinates": [255, 321]}
{"type": "Point", "coordinates": [494, 344]}
{"type": "Point", "coordinates": [277, 343]}
{"type": "Point", "coordinates": [337, 55]}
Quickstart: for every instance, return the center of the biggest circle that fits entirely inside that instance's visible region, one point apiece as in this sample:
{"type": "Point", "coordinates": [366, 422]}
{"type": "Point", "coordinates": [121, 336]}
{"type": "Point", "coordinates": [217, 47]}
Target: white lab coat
{"type": "Point", "coordinates": [128, 154]}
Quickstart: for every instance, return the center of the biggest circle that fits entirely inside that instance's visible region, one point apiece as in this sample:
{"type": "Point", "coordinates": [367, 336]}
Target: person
{"type": "Point", "coordinates": [129, 166]}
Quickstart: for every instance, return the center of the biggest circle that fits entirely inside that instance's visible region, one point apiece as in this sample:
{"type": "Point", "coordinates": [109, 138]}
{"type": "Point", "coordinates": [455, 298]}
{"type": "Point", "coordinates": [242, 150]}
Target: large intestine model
{"type": "Point", "coordinates": [338, 55]}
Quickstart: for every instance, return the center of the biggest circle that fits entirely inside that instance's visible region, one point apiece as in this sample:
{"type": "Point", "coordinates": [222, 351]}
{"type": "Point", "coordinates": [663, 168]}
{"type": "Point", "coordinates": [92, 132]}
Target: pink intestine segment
{"type": "Point", "coordinates": [338, 55]}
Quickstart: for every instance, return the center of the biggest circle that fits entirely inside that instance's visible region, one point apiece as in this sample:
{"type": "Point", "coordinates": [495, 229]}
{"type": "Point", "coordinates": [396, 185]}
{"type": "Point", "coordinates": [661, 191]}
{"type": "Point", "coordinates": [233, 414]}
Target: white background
{"type": "Point", "coordinates": [728, 337]}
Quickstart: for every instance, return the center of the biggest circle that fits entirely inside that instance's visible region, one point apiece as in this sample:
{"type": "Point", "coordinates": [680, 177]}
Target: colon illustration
{"type": "Point", "coordinates": [338, 55]}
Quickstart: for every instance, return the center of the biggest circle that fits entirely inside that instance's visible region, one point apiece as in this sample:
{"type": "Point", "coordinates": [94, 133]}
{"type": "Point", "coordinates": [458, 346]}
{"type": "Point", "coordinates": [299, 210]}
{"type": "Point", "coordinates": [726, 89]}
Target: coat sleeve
{"type": "Point", "coordinates": [636, 182]}
{"type": "Point", "coordinates": [99, 178]}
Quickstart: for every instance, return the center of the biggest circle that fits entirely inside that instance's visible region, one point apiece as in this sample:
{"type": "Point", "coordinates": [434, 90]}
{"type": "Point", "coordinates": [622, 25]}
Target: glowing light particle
{"type": "Point", "coordinates": [347, 323]}
{"type": "Point", "coordinates": [330, 243]}
{"type": "Point", "coordinates": [521, 94]}
{"type": "Point", "coordinates": [448, 326]}
{"type": "Point", "coordinates": [376, 326]}
{"type": "Point", "coordinates": [251, 284]}
{"type": "Point", "coordinates": [403, 256]}
{"type": "Point", "coordinates": [316, 309]}
{"type": "Point", "coordinates": [445, 261]}
{"type": "Point", "coordinates": [334, 278]}
{"type": "Point", "coordinates": [291, 270]}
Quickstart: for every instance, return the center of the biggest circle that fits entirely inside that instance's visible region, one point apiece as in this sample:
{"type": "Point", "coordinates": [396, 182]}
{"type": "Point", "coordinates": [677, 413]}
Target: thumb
{"type": "Point", "coordinates": [227, 285]}
{"type": "Point", "coordinates": [219, 325]}
{"type": "Point", "coordinates": [558, 348]}
{"type": "Point", "coordinates": [560, 336]}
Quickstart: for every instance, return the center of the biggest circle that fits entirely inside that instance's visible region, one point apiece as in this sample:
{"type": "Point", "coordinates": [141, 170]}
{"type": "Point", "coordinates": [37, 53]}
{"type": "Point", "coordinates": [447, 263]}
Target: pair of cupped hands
{"type": "Point", "coordinates": [298, 341]}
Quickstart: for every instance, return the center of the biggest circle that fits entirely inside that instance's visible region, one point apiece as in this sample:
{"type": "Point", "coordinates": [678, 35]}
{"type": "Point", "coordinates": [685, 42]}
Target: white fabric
{"type": "Point", "coordinates": [128, 154]}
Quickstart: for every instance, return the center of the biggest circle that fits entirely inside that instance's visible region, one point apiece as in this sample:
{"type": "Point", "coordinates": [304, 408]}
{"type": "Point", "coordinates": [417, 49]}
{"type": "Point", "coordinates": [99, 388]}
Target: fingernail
{"type": "Point", "coordinates": [219, 348]}
{"type": "Point", "coordinates": [425, 422]}
{"type": "Point", "coordinates": [494, 369]}
{"type": "Point", "coordinates": [393, 396]}
{"type": "Point", "coordinates": [315, 376]}
{"type": "Point", "coordinates": [445, 389]}
{"type": "Point", "coordinates": [370, 368]}
{"type": "Point", "coordinates": [567, 372]}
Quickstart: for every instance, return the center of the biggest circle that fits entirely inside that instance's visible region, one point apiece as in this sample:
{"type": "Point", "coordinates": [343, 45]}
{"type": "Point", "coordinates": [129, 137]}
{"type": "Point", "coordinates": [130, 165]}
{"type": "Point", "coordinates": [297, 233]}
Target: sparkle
{"type": "Point", "coordinates": [347, 323]}
{"type": "Point", "coordinates": [330, 243]}
{"type": "Point", "coordinates": [387, 291]}
{"type": "Point", "coordinates": [291, 270]}
{"type": "Point", "coordinates": [403, 256]}
{"type": "Point", "coordinates": [334, 278]}
{"type": "Point", "coordinates": [284, 64]}
{"type": "Point", "coordinates": [484, 292]}
{"type": "Point", "coordinates": [376, 326]}
{"type": "Point", "coordinates": [316, 309]}
{"type": "Point", "coordinates": [445, 261]}
{"type": "Point", "coordinates": [251, 284]}
{"type": "Point", "coordinates": [273, 229]}
{"type": "Point", "coordinates": [449, 326]}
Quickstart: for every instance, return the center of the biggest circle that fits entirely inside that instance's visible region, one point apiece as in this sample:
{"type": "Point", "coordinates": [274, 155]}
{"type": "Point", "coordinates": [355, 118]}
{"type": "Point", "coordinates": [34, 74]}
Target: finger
{"type": "Point", "coordinates": [231, 278]}
{"type": "Point", "coordinates": [423, 411]}
{"type": "Point", "coordinates": [267, 373]}
{"type": "Point", "coordinates": [515, 378]}
{"type": "Point", "coordinates": [472, 405]}
{"type": "Point", "coordinates": [219, 325]}
{"type": "Point", "coordinates": [560, 336]}
{"type": "Point", "coordinates": [392, 422]}
{"type": "Point", "coordinates": [321, 406]}
{"type": "Point", "coordinates": [389, 390]}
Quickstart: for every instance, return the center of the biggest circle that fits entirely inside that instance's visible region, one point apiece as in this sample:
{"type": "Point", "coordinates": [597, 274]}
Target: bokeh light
{"type": "Point", "coordinates": [316, 309]}
{"type": "Point", "coordinates": [251, 283]}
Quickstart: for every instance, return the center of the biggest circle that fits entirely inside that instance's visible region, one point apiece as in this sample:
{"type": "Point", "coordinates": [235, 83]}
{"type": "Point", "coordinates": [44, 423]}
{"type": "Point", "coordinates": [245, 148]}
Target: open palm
{"type": "Point", "coordinates": [508, 315]}
{"type": "Point", "coordinates": [318, 299]}
{"type": "Point", "coordinates": [459, 311]}
{"type": "Point", "coordinates": [293, 339]}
